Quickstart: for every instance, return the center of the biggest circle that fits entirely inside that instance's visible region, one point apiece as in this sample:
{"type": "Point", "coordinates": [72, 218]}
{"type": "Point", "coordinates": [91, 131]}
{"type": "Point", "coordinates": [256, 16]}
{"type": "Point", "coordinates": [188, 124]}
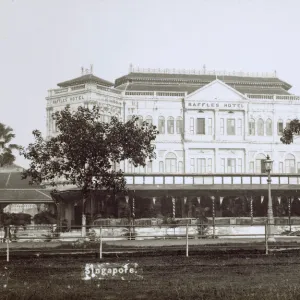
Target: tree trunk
{"type": "Point", "coordinates": [83, 223]}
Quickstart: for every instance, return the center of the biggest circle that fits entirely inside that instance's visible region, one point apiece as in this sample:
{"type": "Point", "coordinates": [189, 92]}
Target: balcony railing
{"type": "Point", "coordinates": [273, 97]}
{"type": "Point", "coordinates": [222, 180]}
{"type": "Point", "coordinates": [211, 179]}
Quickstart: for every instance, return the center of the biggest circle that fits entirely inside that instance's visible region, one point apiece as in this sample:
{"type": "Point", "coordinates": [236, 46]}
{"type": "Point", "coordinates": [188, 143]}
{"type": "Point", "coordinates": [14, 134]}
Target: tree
{"type": "Point", "coordinates": [290, 131]}
{"type": "Point", "coordinates": [6, 155]}
{"type": "Point", "coordinates": [86, 151]}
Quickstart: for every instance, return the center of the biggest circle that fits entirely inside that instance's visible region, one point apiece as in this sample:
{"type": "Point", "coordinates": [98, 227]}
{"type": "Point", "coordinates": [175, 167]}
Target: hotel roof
{"type": "Point", "coordinates": [189, 82]}
{"type": "Point", "coordinates": [87, 78]}
{"type": "Point", "coordinates": [191, 88]}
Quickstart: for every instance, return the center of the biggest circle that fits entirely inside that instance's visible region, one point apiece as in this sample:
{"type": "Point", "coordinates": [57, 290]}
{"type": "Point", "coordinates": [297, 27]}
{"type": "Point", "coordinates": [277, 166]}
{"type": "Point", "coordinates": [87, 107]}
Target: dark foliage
{"type": "Point", "coordinates": [6, 135]}
{"type": "Point", "coordinates": [290, 131]}
{"type": "Point", "coordinates": [19, 219]}
{"type": "Point", "coordinates": [45, 217]}
{"type": "Point", "coordinates": [85, 151]}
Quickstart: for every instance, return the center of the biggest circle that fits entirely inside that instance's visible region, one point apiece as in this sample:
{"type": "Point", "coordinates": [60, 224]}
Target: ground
{"type": "Point", "coordinates": [205, 276]}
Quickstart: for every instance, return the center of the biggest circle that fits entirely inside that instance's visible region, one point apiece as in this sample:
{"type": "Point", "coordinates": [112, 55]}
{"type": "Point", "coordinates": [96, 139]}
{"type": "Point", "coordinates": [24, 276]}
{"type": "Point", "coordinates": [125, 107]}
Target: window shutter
{"type": "Point", "coordinates": [262, 164]}
{"type": "Point", "coordinates": [200, 126]}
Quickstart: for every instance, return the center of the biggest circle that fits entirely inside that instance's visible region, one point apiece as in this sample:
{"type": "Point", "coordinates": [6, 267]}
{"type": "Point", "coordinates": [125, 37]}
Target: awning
{"type": "Point", "coordinates": [13, 196]}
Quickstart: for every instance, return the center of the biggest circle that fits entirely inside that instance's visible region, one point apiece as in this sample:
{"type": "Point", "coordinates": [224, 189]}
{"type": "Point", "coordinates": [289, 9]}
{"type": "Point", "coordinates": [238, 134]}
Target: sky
{"type": "Point", "coordinates": [44, 42]}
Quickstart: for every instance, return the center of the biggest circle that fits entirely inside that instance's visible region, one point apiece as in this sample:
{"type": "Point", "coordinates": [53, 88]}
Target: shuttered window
{"type": "Point", "coordinates": [200, 126]}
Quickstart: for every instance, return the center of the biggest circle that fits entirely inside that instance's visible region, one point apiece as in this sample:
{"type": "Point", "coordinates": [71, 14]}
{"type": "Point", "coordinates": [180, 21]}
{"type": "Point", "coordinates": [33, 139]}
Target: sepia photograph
{"type": "Point", "coordinates": [149, 149]}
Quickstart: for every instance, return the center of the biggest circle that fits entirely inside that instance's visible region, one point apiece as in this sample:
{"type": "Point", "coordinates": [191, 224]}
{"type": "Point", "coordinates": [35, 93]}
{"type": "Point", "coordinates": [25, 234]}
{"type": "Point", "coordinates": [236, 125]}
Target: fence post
{"type": "Point", "coordinates": [213, 215]}
{"type": "Point", "coordinates": [100, 250]}
{"type": "Point", "coordinates": [7, 243]}
{"type": "Point", "coordinates": [251, 210]}
{"type": "Point", "coordinates": [266, 238]}
{"type": "Point", "coordinates": [187, 240]}
{"type": "Point", "coordinates": [289, 207]}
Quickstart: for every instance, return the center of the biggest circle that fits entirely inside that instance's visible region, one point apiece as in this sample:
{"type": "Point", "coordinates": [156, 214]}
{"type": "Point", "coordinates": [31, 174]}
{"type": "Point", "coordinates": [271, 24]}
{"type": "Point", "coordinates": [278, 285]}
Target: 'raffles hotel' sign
{"type": "Point", "coordinates": [67, 99]}
{"type": "Point", "coordinates": [215, 105]}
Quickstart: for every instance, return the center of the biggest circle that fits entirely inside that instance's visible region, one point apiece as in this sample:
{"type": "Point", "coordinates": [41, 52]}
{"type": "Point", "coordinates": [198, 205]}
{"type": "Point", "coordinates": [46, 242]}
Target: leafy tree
{"type": "Point", "coordinates": [290, 131]}
{"type": "Point", "coordinates": [6, 148]}
{"type": "Point", "coordinates": [85, 151]}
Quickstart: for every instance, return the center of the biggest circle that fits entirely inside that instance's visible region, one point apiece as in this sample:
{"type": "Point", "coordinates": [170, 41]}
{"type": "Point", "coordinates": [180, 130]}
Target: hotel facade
{"type": "Point", "coordinates": [208, 122]}
{"type": "Point", "coordinates": [215, 130]}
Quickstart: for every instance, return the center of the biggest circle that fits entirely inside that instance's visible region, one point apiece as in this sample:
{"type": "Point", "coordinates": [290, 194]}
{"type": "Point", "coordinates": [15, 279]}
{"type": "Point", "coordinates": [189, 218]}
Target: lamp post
{"type": "Point", "coordinates": [1, 146]}
{"type": "Point", "coordinates": [268, 167]}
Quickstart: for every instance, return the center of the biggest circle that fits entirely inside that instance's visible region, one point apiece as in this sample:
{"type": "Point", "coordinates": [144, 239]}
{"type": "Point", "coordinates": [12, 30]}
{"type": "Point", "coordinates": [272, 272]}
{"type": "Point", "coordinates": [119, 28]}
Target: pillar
{"type": "Point", "coordinates": [183, 206]}
{"type": "Point", "coordinates": [213, 214]}
{"type": "Point", "coordinates": [221, 201]}
{"type": "Point", "coordinates": [173, 207]}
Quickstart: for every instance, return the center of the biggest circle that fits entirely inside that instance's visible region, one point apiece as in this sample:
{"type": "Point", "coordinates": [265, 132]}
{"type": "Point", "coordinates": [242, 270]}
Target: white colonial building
{"type": "Point", "coordinates": [209, 122]}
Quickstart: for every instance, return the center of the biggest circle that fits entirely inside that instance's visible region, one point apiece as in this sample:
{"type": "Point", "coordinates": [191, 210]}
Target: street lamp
{"type": "Point", "coordinates": [268, 167]}
{"type": "Point", "coordinates": [2, 140]}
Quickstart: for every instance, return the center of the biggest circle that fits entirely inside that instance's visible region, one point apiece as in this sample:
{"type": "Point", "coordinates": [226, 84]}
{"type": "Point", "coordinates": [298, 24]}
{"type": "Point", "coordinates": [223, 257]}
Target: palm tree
{"type": "Point", "coordinates": [6, 155]}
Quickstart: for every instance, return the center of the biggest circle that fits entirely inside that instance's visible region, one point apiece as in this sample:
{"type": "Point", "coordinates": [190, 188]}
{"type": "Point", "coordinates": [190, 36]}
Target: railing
{"type": "Point", "coordinates": [107, 89]}
{"type": "Point", "coordinates": [273, 97]}
{"type": "Point", "coordinates": [81, 87]}
{"type": "Point", "coordinates": [202, 181]}
{"type": "Point", "coordinates": [167, 93]}
{"type": "Point", "coordinates": [139, 93]}
{"type": "Point", "coordinates": [60, 91]}
{"type": "Point", "coordinates": [78, 87]}
{"type": "Point", "coordinates": [202, 72]}
{"type": "Point", "coordinates": [130, 239]}
{"type": "Point", "coordinates": [210, 179]}
{"type": "Point", "coordinates": [155, 93]}
{"type": "Point", "coordinates": [170, 94]}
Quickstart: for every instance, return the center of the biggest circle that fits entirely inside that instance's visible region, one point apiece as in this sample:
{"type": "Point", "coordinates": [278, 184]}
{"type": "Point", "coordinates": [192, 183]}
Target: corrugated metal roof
{"type": "Point", "coordinates": [14, 181]}
{"type": "Point", "coordinates": [15, 190]}
{"type": "Point", "coordinates": [191, 88]}
{"type": "Point", "coordinates": [85, 79]}
{"type": "Point", "coordinates": [148, 78]}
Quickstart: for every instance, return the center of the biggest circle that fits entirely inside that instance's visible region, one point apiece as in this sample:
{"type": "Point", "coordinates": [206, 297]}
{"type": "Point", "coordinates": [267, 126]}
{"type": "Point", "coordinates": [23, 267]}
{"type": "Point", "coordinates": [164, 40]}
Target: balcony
{"type": "Point", "coordinates": [212, 181]}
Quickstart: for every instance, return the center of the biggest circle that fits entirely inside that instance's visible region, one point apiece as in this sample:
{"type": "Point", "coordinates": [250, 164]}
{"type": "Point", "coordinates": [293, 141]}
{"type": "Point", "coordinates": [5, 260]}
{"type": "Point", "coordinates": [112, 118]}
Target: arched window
{"type": "Point", "coordinates": [269, 127]}
{"type": "Point", "coordinates": [107, 118]}
{"type": "Point", "coordinates": [139, 169]}
{"type": "Point", "coordinates": [149, 120]}
{"type": "Point", "coordinates": [129, 167]}
{"type": "Point", "coordinates": [180, 167]}
{"type": "Point", "coordinates": [288, 124]}
{"type": "Point", "coordinates": [117, 167]}
{"type": "Point", "coordinates": [161, 167]}
{"type": "Point", "coordinates": [140, 121]}
{"type": "Point", "coordinates": [55, 129]}
{"type": "Point", "coordinates": [170, 125]}
{"type": "Point", "coordinates": [259, 163]}
{"type": "Point", "coordinates": [179, 125]}
{"type": "Point", "coordinates": [171, 163]}
{"type": "Point", "coordinates": [149, 167]}
{"type": "Point", "coordinates": [260, 127]}
{"type": "Point", "coordinates": [251, 127]}
{"type": "Point", "coordinates": [290, 163]}
{"type": "Point", "coordinates": [161, 125]}
{"type": "Point", "coordinates": [280, 127]}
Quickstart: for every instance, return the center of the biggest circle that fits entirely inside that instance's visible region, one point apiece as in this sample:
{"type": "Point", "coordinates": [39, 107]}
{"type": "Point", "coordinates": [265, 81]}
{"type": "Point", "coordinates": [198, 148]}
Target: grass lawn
{"type": "Point", "coordinates": [164, 277]}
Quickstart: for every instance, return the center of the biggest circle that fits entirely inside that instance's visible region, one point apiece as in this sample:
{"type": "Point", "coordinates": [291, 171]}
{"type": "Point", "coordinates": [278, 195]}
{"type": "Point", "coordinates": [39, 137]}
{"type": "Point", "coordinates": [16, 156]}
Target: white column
{"type": "Point", "coordinates": [245, 131]}
{"type": "Point", "coordinates": [216, 125]}
{"type": "Point", "coordinates": [246, 163]}
{"type": "Point", "coordinates": [215, 160]}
